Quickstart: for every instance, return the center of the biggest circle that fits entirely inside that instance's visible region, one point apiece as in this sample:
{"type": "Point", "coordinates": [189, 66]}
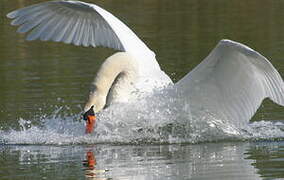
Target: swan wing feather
{"type": "Point", "coordinates": [78, 23]}
{"type": "Point", "coordinates": [232, 82]}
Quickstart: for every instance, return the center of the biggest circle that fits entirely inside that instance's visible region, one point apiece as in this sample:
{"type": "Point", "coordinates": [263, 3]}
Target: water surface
{"type": "Point", "coordinates": [205, 161]}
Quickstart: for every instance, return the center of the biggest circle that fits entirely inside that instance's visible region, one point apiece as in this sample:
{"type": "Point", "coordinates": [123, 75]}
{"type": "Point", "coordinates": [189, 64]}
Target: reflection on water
{"type": "Point", "coordinates": [156, 162]}
{"type": "Point", "coordinates": [269, 159]}
{"type": "Point", "coordinates": [91, 172]}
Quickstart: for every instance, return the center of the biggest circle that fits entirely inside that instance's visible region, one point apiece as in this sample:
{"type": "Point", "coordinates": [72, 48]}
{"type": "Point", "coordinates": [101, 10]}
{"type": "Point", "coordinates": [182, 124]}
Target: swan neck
{"type": "Point", "coordinates": [120, 66]}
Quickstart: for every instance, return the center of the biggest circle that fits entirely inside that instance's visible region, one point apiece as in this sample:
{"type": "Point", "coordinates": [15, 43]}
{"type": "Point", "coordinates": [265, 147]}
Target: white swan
{"type": "Point", "coordinates": [230, 83]}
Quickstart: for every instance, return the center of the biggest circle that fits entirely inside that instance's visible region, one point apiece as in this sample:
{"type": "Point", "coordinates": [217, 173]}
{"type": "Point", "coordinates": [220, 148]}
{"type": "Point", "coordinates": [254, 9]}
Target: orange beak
{"type": "Point", "coordinates": [90, 123]}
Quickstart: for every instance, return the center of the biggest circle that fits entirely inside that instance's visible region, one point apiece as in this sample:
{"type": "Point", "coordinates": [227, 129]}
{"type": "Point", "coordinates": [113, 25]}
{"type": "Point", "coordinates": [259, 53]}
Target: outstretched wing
{"type": "Point", "coordinates": [232, 82]}
{"type": "Point", "coordinates": [78, 23]}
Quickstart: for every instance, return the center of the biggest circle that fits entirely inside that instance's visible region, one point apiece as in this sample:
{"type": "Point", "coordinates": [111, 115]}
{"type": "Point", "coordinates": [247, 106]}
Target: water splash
{"type": "Point", "coordinates": [149, 121]}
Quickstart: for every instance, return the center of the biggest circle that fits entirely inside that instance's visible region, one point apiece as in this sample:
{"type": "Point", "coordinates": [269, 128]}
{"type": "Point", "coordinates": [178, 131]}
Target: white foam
{"type": "Point", "coordinates": [147, 121]}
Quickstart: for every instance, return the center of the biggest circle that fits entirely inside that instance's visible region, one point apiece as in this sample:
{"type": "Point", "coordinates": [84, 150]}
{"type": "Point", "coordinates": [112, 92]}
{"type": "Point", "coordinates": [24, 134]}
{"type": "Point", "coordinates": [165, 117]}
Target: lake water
{"type": "Point", "coordinates": [238, 160]}
{"type": "Point", "coordinates": [44, 86]}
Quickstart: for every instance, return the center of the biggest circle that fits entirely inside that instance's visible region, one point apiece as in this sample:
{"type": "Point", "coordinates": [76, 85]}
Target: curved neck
{"type": "Point", "coordinates": [120, 69]}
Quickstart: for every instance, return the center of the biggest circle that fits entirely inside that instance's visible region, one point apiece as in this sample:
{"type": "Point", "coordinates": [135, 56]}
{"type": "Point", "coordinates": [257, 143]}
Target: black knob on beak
{"type": "Point", "coordinates": [90, 112]}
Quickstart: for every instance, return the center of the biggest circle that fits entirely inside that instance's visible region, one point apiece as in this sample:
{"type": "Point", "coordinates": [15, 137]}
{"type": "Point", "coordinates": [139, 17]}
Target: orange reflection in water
{"type": "Point", "coordinates": [90, 164]}
{"type": "Point", "coordinates": [91, 160]}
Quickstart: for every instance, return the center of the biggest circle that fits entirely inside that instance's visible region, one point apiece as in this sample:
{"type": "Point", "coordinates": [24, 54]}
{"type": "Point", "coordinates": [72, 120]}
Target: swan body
{"type": "Point", "coordinates": [230, 83]}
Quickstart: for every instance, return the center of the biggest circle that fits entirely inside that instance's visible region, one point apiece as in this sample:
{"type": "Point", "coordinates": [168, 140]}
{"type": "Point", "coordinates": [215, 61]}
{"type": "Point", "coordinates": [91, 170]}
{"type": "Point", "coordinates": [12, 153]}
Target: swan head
{"type": "Point", "coordinates": [95, 103]}
{"type": "Point", "coordinates": [93, 106]}
{"type": "Point", "coordinates": [113, 82]}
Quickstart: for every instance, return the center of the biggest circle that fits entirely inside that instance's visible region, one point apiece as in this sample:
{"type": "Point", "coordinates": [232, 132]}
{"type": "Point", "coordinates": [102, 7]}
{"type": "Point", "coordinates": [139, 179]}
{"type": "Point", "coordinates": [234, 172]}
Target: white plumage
{"type": "Point", "coordinates": [230, 83]}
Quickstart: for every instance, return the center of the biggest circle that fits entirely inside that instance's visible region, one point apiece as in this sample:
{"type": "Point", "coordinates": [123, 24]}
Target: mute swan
{"type": "Point", "coordinates": [230, 82]}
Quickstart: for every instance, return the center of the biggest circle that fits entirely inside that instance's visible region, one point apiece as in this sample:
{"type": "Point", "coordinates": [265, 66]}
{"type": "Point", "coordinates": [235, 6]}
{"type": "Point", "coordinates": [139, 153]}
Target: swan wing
{"type": "Point", "coordinates": [78, 23]}
{"type": "Point", "coordinates": [232, 82]}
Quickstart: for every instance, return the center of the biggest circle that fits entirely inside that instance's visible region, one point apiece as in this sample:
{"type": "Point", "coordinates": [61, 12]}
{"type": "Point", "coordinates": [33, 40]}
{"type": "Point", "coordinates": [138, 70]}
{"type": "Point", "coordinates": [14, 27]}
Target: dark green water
{"type": "Point", "coordinates": [39, 80]}
{"type": "Point", "coordinates": [248, 161]}
{"type": "Point", "coordinates": [205, 161]}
